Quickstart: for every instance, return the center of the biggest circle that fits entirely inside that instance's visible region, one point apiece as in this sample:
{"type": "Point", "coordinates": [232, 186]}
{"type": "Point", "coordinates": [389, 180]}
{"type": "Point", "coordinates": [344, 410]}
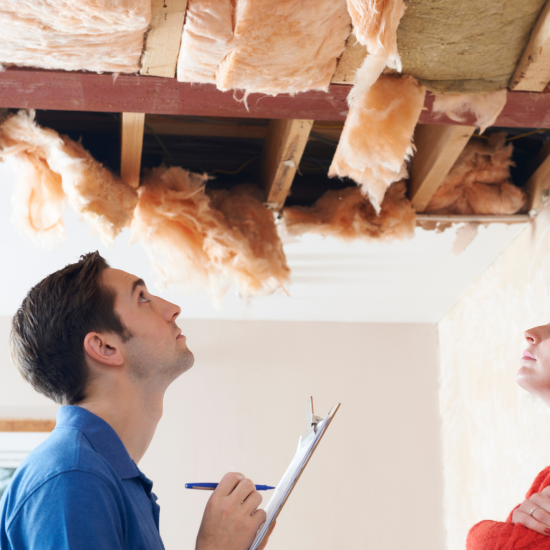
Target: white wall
{"type": "Point", "coordinates": [495, 435]}
{"type": "Point", "coordinates": [376, 475]}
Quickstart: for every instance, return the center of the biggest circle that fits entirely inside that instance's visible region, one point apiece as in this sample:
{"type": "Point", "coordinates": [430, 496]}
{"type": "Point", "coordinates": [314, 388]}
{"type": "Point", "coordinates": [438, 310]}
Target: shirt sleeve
{"type": "Point", "coordinates": [499, 535]}
{"type": "Point", "coordinates": [74, 510]}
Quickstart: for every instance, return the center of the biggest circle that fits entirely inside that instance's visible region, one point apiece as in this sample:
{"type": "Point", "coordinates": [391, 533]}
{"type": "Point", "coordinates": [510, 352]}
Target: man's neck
{"type": "Point", "coordinates": [134, 417]}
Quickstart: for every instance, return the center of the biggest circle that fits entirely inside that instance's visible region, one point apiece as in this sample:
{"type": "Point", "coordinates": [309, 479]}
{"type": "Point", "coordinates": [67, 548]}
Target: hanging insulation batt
{"type": "Point", "coordinates": [346, 214]}
{"type": "Point", "coordinates": [267, 46]}
{"type": "Point", "coordinates": [479, 182]}
{"type": "Point", "coordinates": [91, 35]}
{"type": "Point", "coordinates": [201, 240]}
{"type": "Point", "coordinates": [377, 136]}
{"type": "Point", "coordinates": [485, 107]}
{"type": "Point", "coordinates": [53, 170]}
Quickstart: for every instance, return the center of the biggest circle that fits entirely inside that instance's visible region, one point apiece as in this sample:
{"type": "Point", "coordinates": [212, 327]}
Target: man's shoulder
{"type": "Point", "coordinates": [66, 452]}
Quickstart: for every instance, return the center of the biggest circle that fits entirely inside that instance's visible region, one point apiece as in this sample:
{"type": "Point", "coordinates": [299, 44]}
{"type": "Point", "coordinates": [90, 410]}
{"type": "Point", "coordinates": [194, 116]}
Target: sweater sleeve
{"type": "Point", "coordinates": [505, 535]}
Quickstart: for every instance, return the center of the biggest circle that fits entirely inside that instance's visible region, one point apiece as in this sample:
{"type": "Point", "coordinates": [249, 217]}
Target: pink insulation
{"type": "Point", "coordinates": [201, 240]}
{"type": "Point", "coordinates": [485, 107]}
{"type": "Point", "coordinates": [92, 35]}
{"type": "Point", "coordinates": [207, 39]}
{"type": "Point", "coordinates": [479, 182]}
{"type": "Point", "coordinates": [267, 46]}
{"type": "Point", "coordinates": [54, 170]}
{"type": "Point", "coordinates": [378, 136]}
{"type": "Point", "coordinates": [348, 215]}
{"type": "Point", "coordinates": [375, 25]}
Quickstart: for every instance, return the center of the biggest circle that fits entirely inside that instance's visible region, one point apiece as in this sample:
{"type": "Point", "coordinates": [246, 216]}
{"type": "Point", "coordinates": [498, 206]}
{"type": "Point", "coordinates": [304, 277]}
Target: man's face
{"type": "Point", "coordinates": [157, 352]}
{"type": "Point", "coordinates": [534, 374]}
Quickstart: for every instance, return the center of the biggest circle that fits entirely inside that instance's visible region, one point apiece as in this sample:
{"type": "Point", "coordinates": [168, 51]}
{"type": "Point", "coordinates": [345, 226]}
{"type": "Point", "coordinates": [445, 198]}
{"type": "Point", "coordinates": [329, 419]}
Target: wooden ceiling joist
{"type": "Point", "coordinates": [73, 91]}
{"type": "Point", "coordinates": [533, 71]}
{"type": "Point", "coordinates": [26, 425]}
{"type": "Point", "coordinates": [131, 147]}
{"type": "Point", "coordinates": [163, 41]}
{"type": "Point", "coordinates": [281, 156]}
{"type": "Point", "coordinates": [437, 148]}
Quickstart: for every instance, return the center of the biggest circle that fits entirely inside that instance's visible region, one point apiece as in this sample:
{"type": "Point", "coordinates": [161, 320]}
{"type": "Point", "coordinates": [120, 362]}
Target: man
{"type": "Point", "coordinates": [95, 340]}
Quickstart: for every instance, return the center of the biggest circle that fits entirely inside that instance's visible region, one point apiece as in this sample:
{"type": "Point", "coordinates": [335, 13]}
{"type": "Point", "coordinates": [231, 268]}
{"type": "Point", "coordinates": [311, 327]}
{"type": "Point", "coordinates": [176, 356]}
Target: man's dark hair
{"type": "Point", "coordinates": [48, 330]}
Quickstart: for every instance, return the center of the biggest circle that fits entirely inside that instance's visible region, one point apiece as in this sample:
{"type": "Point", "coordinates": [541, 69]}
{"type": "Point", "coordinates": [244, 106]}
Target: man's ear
{"type": "Point", "coordinates": [103, 348]}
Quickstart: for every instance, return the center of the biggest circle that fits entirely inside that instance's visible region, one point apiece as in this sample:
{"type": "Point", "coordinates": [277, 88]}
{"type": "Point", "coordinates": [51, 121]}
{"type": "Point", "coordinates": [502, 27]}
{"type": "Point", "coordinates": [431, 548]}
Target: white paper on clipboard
{"type": "Point", "coordinates": [290, 477]}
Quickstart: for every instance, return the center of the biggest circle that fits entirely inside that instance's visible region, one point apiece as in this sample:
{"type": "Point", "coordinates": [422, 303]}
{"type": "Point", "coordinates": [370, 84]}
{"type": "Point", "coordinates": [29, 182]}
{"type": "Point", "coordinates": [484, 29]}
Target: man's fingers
{"type": "Point", "coordinates": [531, 523]}
{"type": "Point", "coordinates": [267, 535]}
{"type": "Point", "coordinates": [243, 490]}
{"type": "Point", "coordinates": [228, 483]}
{"type": "Point", "coordinates": [252, 502]}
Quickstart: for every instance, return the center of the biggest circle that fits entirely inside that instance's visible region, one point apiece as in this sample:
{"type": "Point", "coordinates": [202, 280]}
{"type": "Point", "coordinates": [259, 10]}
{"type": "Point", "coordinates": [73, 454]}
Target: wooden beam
{"type": "Point", "coordinates": [437, 148]}
{"type": "Point", "coordinates": [131, 147]}
{"type": "Point", "coordinates": [281, 155]}
{"type": "Point", "coordinates": [236, 128]}
{"type": "Point", "coordinates": [74, 91]}
{"type": "Point", "coordinates": [230, 127]}
{"type": "Point", "coordinates": [164, 38]}
{"type": "Point", "coordinates": [538, 184]}
{"type": "Point", "coordinates": [349, 62]}
{"type": "Point", "coordinates": [533, 71]}
{"type": "Point", "coordinates": [26, 425]}
{"type": "Point", "coordinates": [474, 218]}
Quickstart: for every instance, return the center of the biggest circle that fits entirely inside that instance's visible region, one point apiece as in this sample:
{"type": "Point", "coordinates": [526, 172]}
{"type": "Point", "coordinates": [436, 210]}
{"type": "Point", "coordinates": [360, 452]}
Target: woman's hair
{"type": "Point", "coordinates": [48, 330]}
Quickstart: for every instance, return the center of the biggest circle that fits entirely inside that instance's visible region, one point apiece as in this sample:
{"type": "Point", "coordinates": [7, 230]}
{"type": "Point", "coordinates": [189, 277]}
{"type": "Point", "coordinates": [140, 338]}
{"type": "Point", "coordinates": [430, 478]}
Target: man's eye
{"type": "Point", "coordinates": [142, 297]}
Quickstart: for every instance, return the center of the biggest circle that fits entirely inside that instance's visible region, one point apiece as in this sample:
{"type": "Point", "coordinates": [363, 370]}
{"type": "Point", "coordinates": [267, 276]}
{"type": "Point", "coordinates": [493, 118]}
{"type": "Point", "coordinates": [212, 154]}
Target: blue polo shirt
{"type": "Point", "coordinates": [79, 490]}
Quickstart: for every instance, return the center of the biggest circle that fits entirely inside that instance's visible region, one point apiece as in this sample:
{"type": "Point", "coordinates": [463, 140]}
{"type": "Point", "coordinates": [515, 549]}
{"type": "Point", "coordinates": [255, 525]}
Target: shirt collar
{"type": "Point", "coordinates": [101, 436]}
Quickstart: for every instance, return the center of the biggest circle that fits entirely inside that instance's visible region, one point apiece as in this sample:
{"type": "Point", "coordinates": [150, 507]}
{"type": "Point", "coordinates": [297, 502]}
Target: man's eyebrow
{"type": "Point", "coordinates": [135, 284]}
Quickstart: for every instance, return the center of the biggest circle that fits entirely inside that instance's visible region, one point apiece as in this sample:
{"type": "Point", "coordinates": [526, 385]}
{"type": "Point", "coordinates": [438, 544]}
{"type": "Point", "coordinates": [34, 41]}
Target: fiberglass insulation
{"type": "Point", "coordinates": [267, 46]}
{"type": "Point", "coordinates": [206, 240]}
{"type": "Point", "coordinates": [485, 107]}
{"type": "Point", "coordinates": [92, 35]}
{"type": "Point", "coordinates": [348, 215]}
{"type": "Point", "coordinates": [53, 170]}
{"type": "Point", "coordinates": [479, 181]}
{"type": "Point", "coordinates": [377, 136]}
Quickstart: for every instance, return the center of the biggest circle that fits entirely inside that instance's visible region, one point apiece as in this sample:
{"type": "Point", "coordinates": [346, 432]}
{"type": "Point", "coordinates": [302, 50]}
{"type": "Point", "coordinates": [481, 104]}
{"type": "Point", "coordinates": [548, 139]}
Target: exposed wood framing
{"type": "Point", "coordinates": [281, 155]}
{"type": "Point", "coordinates": [229, 127]}
{"type": "Point", "coordinates": [74, 91]}
{"type": "Point", "coordinates": [235, 128]}
{"type": "Point", "coordinates": [349, 62]}
{"type": "Point", "coordinates": [437, 148]}
{"type": "Point", "coordinates": [164, 38]}
{"type": "Point", "coordinates": [538, 184]}
{"type": "Point", "coordinates": [533, 71]}
{"type": "Point", "coordinates": [26, 425]}
{"type": "Point", "coordinates": [131, 147]}
{"type": "Point", "coordinates": [476, 218]}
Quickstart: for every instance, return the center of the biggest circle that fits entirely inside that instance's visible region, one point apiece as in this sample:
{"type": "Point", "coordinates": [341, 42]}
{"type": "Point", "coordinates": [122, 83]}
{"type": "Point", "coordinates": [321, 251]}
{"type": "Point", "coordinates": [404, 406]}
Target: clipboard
{"type": "Point", "coordinates": [315, 429]}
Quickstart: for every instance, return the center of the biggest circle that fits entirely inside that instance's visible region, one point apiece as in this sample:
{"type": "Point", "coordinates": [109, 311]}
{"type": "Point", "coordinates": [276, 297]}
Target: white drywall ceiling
{"type": "Point", "coordinates": [415, 281]}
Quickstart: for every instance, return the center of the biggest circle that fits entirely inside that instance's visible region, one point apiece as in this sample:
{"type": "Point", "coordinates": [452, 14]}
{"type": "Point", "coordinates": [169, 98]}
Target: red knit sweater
{"type": "Point", "coordinates": [498, 535]}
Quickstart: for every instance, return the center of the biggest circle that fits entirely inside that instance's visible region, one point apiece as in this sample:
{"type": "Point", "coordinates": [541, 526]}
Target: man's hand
{"type": "Point", "coordinates": [231, 518]}
{"type": "Point", "coordinates": [534, 512]}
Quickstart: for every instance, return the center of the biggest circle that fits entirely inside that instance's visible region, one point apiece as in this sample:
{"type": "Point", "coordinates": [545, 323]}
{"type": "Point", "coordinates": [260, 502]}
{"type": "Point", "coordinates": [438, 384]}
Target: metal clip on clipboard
{"type": "Point", "coordinates": [311, 422]}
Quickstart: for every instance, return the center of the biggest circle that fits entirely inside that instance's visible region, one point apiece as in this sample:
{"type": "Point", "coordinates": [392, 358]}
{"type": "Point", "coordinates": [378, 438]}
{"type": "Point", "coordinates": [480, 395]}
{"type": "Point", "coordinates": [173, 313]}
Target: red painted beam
{"type": "Point", "coordinates": [71, 91]}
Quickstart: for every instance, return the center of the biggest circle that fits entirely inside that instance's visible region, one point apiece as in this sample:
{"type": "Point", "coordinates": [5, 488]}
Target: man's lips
{"type": "Point", "coordinates": [180, 336]}
{"type": "Point", "coordinates": [527, 355]}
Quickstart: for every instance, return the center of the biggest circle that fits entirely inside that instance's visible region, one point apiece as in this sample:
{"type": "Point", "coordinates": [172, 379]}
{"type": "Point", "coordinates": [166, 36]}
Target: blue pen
{"type": "Point", "coordinates": [212, 486]}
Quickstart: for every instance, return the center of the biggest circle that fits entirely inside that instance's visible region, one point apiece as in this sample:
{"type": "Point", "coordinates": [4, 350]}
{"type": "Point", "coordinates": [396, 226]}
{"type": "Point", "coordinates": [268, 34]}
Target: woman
{"type": "Point", "coordinates": [528, 525]}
